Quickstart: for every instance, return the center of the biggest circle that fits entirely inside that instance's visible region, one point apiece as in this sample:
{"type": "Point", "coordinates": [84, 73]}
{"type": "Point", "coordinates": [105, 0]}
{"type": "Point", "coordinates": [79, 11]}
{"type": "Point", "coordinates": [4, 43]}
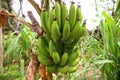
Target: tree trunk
{"type": "Point", "coordinates": [1, 54]}
{"type": "Point", "coordinates": [1, 51]}
{"type": "Point", "coordinates": [33, 66]}
{"type": "Point", "coordinates": [34, 63]}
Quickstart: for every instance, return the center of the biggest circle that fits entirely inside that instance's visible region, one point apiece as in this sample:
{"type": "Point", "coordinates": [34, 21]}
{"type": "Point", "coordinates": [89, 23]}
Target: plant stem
{"type": "Point", "coordinates": [47, 5]}
{"type": "Point", "coordinates": [35, 5]}
{"type": "Point", "coordinates": [49, 76]}
{"type": "Point", "coordinates": [58, 1]}
{"type": "Point", "coordinates": [43, 72]}
{"type": "Point", "coordinates": [1, 50]}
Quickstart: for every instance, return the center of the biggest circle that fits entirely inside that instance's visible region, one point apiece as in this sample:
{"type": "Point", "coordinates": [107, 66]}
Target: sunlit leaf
{"type": "Point", "coordinates": [103, 61]}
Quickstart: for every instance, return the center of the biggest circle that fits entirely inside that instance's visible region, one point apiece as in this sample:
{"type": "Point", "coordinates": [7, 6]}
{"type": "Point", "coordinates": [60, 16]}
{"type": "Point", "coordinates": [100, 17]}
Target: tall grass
{"type": "Point", "coordinates": [110, 35]}
{"type": "Point", "coordinates": [17, 46]}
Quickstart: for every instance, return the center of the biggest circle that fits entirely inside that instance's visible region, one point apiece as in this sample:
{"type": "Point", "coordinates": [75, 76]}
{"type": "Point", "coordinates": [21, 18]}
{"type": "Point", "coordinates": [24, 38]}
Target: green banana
{"type": "Point", "coordinates": [69, 41]}
{"type": "Point", "coordinates": [51, 48]}
{"type": "Point", "coordinates": [83, 29]}
{"type": "Point", "coordinates": [59, 46]}
{"type": "Point", "coordinates": [79, 13]}
{"type": "Point", "coordinates": [75, 31]}
{"type": "Point", "coordinates": [48, 37]}
{"type": "Point", "coordinates": [66, 30]}
{"type": "Point", "coordinates": [72, 69]}
{"type": "Point", "coordinates": [44, 22]}
{"type": "Point", "coordinates": [64, 59]}
{"type": "Point", "coordinates": [52, 68]}
{"type": "Point", "coordinates": [64, 14]}
{"type": "Point", "coordinates": [55, 31]}
{"type": "Point", "coordinates": [78, 30]}
{"type": "Point", "coordinates": [42, 46]}
{"type": "Point", "coordinates": [71, 45]}
{"type": "Point", "coordinates": [78, 52]}
{"type": "Point", "coordinates": [75, 62]}
{"type": "Point", "coordinates": [45, 60]}
{"type": "Point", "coordinates": [71, 57]}
{"type": "Point", "coordinates": [63, 69]}
{"type": "Point", "coordinates": [51, 18]}
{"type": "Point", "coordinates": [56, 57]}
{"type": "Point", "coordinates": [75, 47]}
{"type": "Point", "coordinates": [58, 13]}
{"type": "Point", "coordinates": [72, 15]}
{"type": "Point", "coordinates": [41, 54]}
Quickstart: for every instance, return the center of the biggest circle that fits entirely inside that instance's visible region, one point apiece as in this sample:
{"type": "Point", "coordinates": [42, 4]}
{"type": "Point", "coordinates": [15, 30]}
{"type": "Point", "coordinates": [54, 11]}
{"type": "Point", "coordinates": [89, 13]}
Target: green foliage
{"type": "Point", "coordinates": [117, 11]}
{"type": "Point", "coordinates": [4, 4]}
{"type": "Point", "coordinates": [17, 46]}
{"type": "Point", "coordinates": [10, 72]}
{"type": "Point", "coordinates": [26, 41]}
{"type": "Point", "coordinates": [10, 46]}
{"type": "Point", "coordinates": [14, 72]}
{"type": "Point", "coordinates": [22, 70]}
{"type": "Point", "coordinates": [91, 50]}
{"type": "Point", "coordinates": [110, 35]}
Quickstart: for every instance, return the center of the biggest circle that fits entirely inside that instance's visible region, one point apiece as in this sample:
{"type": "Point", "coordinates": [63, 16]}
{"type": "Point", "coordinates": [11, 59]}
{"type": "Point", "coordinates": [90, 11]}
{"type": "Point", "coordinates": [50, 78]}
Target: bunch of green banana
{"type": "Point", "coordinates": [58, 49]}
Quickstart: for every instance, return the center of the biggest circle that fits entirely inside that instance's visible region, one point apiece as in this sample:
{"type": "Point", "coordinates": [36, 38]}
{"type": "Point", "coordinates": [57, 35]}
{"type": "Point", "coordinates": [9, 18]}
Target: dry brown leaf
{"type": "Point", "coordinates": [43, 72]}
{"type": "Point", "coordinates": [3, 19]}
